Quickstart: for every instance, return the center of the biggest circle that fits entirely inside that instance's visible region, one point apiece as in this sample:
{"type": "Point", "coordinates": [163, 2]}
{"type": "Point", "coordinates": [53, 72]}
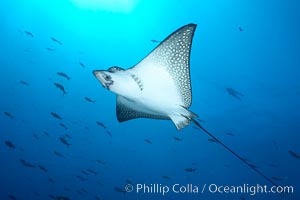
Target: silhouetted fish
{"type": "Point", "coordinates": [24, 83]}
{"type": "Point", "coordinates": [81, 178]}
{"type": "Point", "coordinates": [61, 87]}
{"type": "Point", "coordinates": [190, 169]}
{"type": "Point", "coordinates": [117, 189]}
{"type": "Point", "coordinates": [55, 115]}
{"type": "Point", "coordinates": [293, 154]}
{"type": "Point", "coordinates": [26, 164]}
{"type": "Point", "coordinates": [62, 198]}
{"type": "Point", "coordinates": [148, 141]}
{"type": "Point", "coordinates": [228, 133]}
{"type": "Point", "coordinates": [51, 180]}
{"type": "Point", "coordinates": [155, 41]}
{"type": "Point", "coordinates": [50, 49]}
{"type": "Point", "coordinates": [68, 136]}
{"type": "Point", "coordinates": [166, 177]}
{"type": "Point", "coordinates": [129, 181]}
{"type": "Point", "coordinates": [92, 171]}
{"type": "Point", "coordinates": [97, 198]}
{"type": "Point", "coordinates": [84, 172]}
{"type": "Point", "coordinates": [9, 115]}
{"type": "Point", "coordinates": [43, 168]}
{"type": "Point", "coordinates": [108, 133]}
{"type": "Point", "coordinates": [101, 124]}
{"type": "Point", "coordinates": [12, 197]}
{"type": "Point", "coordinates": [89, 100]}
{"type": "Point", "coordinates": [46, 133]}
{"type": "Point", "coordinates": [64, 126]}
{"type": "Point", "coordinates": [35, 136]}
{"type": "Point", "coordinates": [29, 33]}
{"type": "Point", "coordinates": [64, 141]}
{"type": "Point", "coordinates": [86, 128]}
{"type": "Point", "coordinates": [240, 29]}
{"type": "Point", "coordinates": [234, 93]}
{"type": "Point", "coordinates": [177, 139]}
{"type": "Point", "coordinates": [81, 64]}
{"type": "Point", "coordinates": [9, 144]}
{"type": "Point", "coordinates": [58, 154]}
{"type": "Point", "coordinates": [62, 74]}
{"type": "Point", "coordinates": [275, 145]}
{"type": "Point", "coordinates": [101, 162]}
{"type": "Point", "coordinates": [212, 140]}
{"type": "Point", "coordinates": [55, 40]}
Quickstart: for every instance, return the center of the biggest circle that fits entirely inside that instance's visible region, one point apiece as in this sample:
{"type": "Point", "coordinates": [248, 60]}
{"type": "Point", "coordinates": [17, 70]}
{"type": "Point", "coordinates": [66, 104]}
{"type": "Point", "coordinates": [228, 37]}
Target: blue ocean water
{"type": "Point", "coordinates": [71, 146]}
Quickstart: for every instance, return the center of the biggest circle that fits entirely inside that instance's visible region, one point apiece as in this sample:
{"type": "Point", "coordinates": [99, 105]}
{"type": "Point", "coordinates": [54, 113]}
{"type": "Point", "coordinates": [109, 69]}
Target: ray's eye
{"type": "Point", "coordinates": [115, 69]}
{"type": "Point", "coordinates": [107, 77]}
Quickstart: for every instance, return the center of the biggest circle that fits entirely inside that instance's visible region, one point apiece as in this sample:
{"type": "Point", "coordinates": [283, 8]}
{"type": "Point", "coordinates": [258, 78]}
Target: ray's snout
{"type": "Point", "coordinates": [104, 78]}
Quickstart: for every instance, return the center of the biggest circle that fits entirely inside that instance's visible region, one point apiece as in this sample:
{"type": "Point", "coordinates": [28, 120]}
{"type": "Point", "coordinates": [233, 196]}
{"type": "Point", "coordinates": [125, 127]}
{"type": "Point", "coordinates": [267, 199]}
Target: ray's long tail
{"type": "Point", "coordinates": [231, 151]}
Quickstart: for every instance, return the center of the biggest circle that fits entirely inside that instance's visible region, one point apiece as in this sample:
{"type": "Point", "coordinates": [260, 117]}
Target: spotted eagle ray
{"type": "Point", "coordinates": [159, 86]}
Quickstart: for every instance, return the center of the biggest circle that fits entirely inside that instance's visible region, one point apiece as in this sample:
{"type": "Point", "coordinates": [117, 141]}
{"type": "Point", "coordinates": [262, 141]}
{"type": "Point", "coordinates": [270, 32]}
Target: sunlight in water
{"type": "Point", "coordinates": [124, 6]}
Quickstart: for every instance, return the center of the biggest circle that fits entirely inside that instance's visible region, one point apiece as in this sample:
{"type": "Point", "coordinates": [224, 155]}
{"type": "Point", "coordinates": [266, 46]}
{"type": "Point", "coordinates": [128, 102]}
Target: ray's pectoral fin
{"type": "Point", "coordinates": [128, 109]}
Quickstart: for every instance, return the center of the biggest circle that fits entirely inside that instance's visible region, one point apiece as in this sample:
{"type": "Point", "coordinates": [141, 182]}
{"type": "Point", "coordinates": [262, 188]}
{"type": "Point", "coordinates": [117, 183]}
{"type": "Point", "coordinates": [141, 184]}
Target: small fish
{"type": "Point", "coordinates": [81, 64]}
{"type": "Point", "coordinates": [9, 115]}
{"type": "Point", "coordinates": [231, 134]}
{"type": "Point", "coordinates": [68, 136]}
{"type": "Point", "coordinates": [293, 154]}
{"type": "Point", "coordinates": [43, 168]}
{"type": "Point", "coordinates": [97, 198]}
{"type": "Point", "coordinates": [92, 171]}
{"type": "Point", "coordinates": [55, 40]}
{"type": "Point", "coordinates": [26, 164]}
{"type": "Point", "coordinates": [108, 133]}
{"type": "Point", "coordinates": [55, 115]}
{"type": "Point", "coordinates": [29, 33]}
{"type": "Point", "coordinates": [24, 83]}
{"type": "Point", "coordinates": [117, 189]}
{"type": "Point", "coordinates": [166, 177]}
{"type": "Point", "coordinates": [46, 133]}
{"type": "Point", "coordinates": [177, 139]}
{"type": "Point", "coordinates": [101, 124]}
{"type": "Point", "coordinates": [225, 165]}
{"type": "Point", "coordinates": [51, 180]}
{"type": "Point", "coordinates": [81, 178]}
{"type": "Point", "coordinates": [101, 162]}
{"type": "Point", "coordinates": [240, 29]}
{"type": "Point", "coordinates": [84, 172]}
{"type": "Point", "coordinates": [58, 154]}
{"type": "Point", "coordinates": [61, 87]}
{"type": "Point", "coordinates": [275, 145]}
{"type": "Point", "coordinates": [234, 93]}
{"type": "Point", "coordinates": [272, 165]}
{"type": "Point", "coordinates": [83, 190]}
{"type": "Point", "coordinates": [62, 198]}
{"type": "Point", "coordinates": [21, 149]}
{"type": "Point", "coordinates": [190, 169]}
{"type": "Point", "coordinates": [64, 126]}
{"type": "Point", "coordinates": [86, 128]}
{"type": "Point", "coordinates": [89, 100]}
{"type": "Point", "coordinates": [155, 41]}
{"type": "Point", "coordinates": [62, 74]}
{"type": "Point", "coordinates": [12, 197]}
{"type": "Point", "coordinates": [129, 181]}
{"type": "Point", "coordinates": [50, 49]}
{"type": "Point", "coordinates": [212, 140]}
{"type": "Point", "coordinates": [148, 141]}
{"type": "Point", "coordinates": [279, 178]}
{"type": "Point", "coordinates": [9, 144]}
{"type": "Point", "coordinates": [35, 136]}
{"type": "Point", "coordinates": [64, 141]}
